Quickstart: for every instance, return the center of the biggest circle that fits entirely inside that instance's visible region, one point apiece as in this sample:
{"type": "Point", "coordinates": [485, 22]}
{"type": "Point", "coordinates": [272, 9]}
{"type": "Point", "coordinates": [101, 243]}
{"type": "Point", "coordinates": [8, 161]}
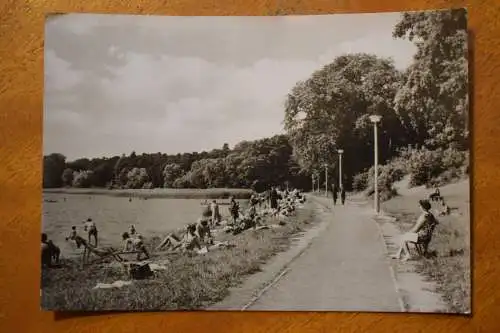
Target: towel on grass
{"type": "Point", "coordinates": [116, 284]}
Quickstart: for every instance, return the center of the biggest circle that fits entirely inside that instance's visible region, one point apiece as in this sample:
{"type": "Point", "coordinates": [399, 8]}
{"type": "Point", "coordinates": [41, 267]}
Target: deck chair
{"type": "Point", "coordinates": [422, 247]}
{"type": "Point", "coordinates": [103, 254]}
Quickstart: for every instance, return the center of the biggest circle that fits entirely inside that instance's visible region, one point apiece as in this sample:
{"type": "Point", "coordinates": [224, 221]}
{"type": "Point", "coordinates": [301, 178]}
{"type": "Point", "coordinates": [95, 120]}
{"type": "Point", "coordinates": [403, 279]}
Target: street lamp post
{"type": "Point", "coordinates": [312, 183]}
{"type": "Point", "coordinates": [375, 119]}
{"type": "Point", "coordinates": [340, 151]}
{"type": "Point", "coordinates": [326, 180]}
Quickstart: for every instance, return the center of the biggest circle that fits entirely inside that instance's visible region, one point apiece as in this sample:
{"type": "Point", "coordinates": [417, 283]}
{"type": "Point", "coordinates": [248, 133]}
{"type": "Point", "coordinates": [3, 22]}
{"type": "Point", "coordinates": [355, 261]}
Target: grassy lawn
{"type": "Point", "coordinates": [189, 282]}
{"type": "Point", "coordinates": [170, 193]}
{"type": "Point", "coordinates": [451, 267]}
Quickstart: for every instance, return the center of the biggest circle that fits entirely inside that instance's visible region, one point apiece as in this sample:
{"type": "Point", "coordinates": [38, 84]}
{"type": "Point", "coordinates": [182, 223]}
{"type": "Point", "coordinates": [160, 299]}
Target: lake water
{"type": "Point", "coordinates": [114, 215]}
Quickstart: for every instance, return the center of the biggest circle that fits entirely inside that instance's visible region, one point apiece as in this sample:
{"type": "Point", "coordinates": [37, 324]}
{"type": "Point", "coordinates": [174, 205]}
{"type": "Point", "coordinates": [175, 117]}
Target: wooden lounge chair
{"type": "Point", "coordinates": [422, 247]}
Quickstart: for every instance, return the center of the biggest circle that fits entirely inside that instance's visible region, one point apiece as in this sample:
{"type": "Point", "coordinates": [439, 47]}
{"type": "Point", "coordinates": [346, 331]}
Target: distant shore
{"type": "Point", "coordinates": [168, 193]}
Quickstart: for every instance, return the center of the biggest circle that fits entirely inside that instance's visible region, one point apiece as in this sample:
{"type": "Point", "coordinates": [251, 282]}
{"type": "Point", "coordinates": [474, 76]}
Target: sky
{"type": "Point", "coordinates": [121, 83]}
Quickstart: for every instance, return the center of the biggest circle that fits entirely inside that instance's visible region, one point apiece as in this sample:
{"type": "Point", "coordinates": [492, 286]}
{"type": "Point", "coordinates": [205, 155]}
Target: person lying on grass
{"type": "Point", "coordinates": [135, 244]}
{"type": "Point", "coordinates": [189, 241]}
{"type": "Point", "coordinates": [420, 233]}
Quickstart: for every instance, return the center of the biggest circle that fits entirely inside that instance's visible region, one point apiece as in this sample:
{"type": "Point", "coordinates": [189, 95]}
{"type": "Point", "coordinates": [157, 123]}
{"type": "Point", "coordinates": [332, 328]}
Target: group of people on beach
{"type": "Point", "coordinates": [197, 236]}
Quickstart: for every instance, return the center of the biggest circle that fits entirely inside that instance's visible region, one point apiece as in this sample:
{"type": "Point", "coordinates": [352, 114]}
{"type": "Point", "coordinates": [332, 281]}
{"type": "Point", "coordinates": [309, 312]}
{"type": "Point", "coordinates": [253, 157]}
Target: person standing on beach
{"type": "Point", "coordinates": [214, 207]}
{"type": "Point", "coordinates": [91, 229]}
{"type": "Point", "coordinates": [234, 209]}
{"type": "Point", "coordinates": [273, 198]}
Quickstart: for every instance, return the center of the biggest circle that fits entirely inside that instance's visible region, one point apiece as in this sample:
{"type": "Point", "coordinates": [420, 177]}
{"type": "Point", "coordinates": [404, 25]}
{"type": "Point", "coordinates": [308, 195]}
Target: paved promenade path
{"type": "Point", "coordinates": [345, 269]}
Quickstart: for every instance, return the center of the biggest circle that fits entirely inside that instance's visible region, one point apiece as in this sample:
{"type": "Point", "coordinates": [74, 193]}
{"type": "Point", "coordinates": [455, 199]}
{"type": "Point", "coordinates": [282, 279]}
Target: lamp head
{"type": "Point", "coordinates": [340, 151]}
{"type": "Point", "coordinates": [375, 118]}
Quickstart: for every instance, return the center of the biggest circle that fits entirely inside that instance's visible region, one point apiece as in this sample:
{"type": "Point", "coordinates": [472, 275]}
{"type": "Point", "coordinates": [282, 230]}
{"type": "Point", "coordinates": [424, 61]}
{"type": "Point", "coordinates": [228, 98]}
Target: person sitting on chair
{"type": "Point", "coordinates": [135, 244]}
{"type": "Point", "coordinates": [420, 234]}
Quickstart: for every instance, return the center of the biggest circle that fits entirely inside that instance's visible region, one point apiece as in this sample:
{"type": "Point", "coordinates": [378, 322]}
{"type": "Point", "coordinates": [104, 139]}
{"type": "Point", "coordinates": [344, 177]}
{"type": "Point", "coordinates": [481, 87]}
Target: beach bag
{"type": "Point", "coordinates": [140, 271]}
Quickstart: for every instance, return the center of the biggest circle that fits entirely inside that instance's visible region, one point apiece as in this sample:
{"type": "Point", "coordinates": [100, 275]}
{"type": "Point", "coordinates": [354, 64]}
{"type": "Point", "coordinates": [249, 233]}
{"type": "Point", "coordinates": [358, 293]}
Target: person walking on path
{"type": "Point", "coordinates": [334, 194]}
{"type": "Point", "coordinates": [342, 195]}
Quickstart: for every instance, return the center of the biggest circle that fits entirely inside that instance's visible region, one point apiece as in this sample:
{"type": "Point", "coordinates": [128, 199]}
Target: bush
{"type": "Point", "coordinates": [387, 175]}
{"type": "Point", "coordinates": [360, 181]}
{"type": "Point", "coordinates": [435, 166]}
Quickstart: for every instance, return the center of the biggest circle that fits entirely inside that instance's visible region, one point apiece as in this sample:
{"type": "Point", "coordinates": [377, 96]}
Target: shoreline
{"type": "Point", "coordinates": [189, 282]}
{"type": "Point", "coordinates": [158, 193]}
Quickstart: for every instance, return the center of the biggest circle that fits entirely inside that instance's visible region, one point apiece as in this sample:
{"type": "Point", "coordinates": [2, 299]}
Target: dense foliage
{"type": "Point", "coordinates": [250, 164]}
{"type": "Point", "coordinates": [424, 113]}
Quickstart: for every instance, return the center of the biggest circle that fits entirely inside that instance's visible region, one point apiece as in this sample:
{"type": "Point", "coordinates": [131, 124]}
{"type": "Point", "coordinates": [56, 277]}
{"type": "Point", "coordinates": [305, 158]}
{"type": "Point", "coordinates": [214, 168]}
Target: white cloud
{"type": "Point", "coordinates": [191, 94]}
{"type": "Point", "coordinates": [58, 74]}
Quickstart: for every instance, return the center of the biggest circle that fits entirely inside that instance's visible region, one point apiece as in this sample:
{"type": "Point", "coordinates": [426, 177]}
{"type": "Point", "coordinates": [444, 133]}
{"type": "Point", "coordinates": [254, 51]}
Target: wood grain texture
{"type": "Point", "coordinates": [21, 89]}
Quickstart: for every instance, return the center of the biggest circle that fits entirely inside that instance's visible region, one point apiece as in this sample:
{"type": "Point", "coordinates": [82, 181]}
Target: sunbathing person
{"type": "Point", "coordinates": [89, 248]}
{"type": "Point", "coordinates": [135, 244]}
{"type": "Point", "coordinates": [203, 230]}
{"type": "Point", "coordinates": [420, 233]}
{"type": "Point", "coordinates": [189, 241]}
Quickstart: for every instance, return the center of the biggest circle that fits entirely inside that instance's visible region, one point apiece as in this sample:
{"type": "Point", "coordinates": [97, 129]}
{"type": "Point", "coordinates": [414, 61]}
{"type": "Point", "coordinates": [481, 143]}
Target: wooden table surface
{"type": "Point", "coordinates": [21, 89]}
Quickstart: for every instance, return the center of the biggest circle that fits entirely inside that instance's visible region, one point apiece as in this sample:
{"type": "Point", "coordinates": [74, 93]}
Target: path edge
{"type": "Point", "coordinates": [305, 240]}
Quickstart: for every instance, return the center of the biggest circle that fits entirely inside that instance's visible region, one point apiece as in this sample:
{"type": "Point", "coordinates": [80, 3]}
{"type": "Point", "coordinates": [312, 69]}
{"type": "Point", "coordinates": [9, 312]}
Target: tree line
{"type": "Point", "coordinates": [424, 109]}
{"type": "Point", "coordinates": [250, 164]}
